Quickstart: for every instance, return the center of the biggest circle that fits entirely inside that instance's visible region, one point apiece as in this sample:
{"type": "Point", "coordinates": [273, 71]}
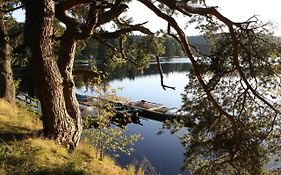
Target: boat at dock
{"type": "Point", "coordinates": [143, 108]}
{"type": "Point", "coordinates": [154, 111]}
{"type": "Point", "coordinates": [122, 107]}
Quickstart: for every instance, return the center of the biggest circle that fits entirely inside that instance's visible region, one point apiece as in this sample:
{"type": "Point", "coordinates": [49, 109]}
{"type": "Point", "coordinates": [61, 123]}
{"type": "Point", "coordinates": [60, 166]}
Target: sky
{"type": "Point", "coordinates": [236, 10]}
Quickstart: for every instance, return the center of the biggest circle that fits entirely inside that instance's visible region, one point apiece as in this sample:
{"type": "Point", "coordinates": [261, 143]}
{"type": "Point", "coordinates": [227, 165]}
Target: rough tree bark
{"type": "Point", "coordinates": [7, 87]}
{"type": "Point", "coordinates": [68, 49]}
{"type": "Point", "coordinates": [65, 63]}
{"type": "Point", "coordinates": [57, 123]}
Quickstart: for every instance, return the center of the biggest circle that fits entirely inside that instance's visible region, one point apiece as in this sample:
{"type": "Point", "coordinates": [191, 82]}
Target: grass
{"type": "Point", "coordinates": [22, 152]}
{"type": "Point", "coordinates": [16, 120]}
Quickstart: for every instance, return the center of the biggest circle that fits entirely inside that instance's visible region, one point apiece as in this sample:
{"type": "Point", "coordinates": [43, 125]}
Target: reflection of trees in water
{"type": "Point", "coordinates": [130, 71]}
{"type": "Point", "coordinates": [121, 71]}
{"type": "Point", "coordinates": [232, 111]}
{"type": "Point", "coordinates": [90, 78]}
{"type": "Point", "coordinates": [216, 144]}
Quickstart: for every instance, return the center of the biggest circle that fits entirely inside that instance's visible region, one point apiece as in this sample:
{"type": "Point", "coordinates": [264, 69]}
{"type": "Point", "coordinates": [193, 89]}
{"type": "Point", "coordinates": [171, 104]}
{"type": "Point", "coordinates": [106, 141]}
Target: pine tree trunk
{"type": "Point", "coordinates": [57, 123]}
{"type": "Point", "coordinates": [7, 87]}
{"type": "Point", "coordinates": [65, 63]}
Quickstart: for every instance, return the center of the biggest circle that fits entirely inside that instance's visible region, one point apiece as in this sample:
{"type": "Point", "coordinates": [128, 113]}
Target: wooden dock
{"type": "Point", "coordinates": [145, 109]}
{"type": "Point", "coordinates": [150, 110]}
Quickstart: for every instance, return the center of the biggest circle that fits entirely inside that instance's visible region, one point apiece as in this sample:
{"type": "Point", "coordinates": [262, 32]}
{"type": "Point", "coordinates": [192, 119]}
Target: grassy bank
{"type": "Point", "coordinates": [22, 152]}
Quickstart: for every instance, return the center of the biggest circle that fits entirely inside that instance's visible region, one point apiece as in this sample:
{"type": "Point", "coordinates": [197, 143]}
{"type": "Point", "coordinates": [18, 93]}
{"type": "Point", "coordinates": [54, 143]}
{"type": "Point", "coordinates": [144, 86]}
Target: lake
{"type": "Point", "coordinates": [163, 152]}
{"type": "Point", "coordinates": [206, 137]}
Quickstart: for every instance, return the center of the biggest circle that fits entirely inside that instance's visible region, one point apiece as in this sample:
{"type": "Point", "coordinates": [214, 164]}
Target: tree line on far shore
{"type": "Point", "coordinates": [171, 48]}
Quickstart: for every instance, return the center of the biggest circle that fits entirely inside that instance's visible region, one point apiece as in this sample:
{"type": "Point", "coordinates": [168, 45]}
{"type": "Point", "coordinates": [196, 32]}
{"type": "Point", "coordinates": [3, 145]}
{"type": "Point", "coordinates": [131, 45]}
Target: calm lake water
{"type": "Point", "coordinates": [164, 152]}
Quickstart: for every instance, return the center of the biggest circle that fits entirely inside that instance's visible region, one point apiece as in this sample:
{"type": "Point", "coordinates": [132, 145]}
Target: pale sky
{"type": "Point", "coordinates": [236, 10]}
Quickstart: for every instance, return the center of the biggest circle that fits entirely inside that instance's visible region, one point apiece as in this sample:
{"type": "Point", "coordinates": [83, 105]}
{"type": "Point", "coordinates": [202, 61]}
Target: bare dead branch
{"type": "Point", "coordinates": [123, 24]}
{"type": "Point", "coordinates": [161, 74]}
{"type": "Point", "coordinates": [123, 55]}
{"type": "Point", "coordinates": [187, 50]}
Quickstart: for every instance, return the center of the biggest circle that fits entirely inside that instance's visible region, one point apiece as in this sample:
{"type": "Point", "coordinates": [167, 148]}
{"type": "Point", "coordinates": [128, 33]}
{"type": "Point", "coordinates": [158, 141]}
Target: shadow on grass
{"type": "Point", "coordinates": [9, 132]}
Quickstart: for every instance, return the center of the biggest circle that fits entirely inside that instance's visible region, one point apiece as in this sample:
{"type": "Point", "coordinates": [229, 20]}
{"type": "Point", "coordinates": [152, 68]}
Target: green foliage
{"type": "Point", "coordinates": [58, 32]}
{"type": "Point", "coordinates": [99, 133]}
{"type": "Point", "coordinates": [112, 139]}
{"type": "Point", "coordinates": [140, 49]}
{"type": "Point", "coordinates": [213, 148]}
{"type": "Point", "coordinates": [15, 33]}
{"type": "Point", "coordinates": [135, 47]}
{"type": "Point", "coordinates": [172, 48]}
{"type": "Point", "coordinates": [239, 135]}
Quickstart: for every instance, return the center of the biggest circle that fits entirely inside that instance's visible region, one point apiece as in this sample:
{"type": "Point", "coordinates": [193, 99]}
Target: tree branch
{"type": "Point", "coordinates": [60, 12]}
{"type": "Point", "coordinates": [130, 28]}
{"type": "Point", "coordinates": [161, 74]}
{"type": "Point", "coordinates": [230, 24]}
{"type": "Point", "coordinates": [187, 50]}
{"type": "Point", "coordinates": [99, 39]}
{"type": "Point", "coordinates": [88, 29]}
{"type": "Point", "coordinates": [109, 15]}
{"type": "Point", "coordinates": [68, 4]}
{"type": "Point", "coordinates": [13, 9]}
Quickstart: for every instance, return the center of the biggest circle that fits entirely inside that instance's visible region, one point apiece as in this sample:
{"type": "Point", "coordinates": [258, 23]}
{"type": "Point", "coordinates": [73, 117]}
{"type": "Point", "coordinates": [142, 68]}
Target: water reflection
{"type": "Point", "coordinates": [208, 143]}
{"type": "Point", "coordinates": [121, 71]}
{"type": "Point", "coordinates": [164, 152]}
{"type": "Point", "coordinates": [136, 85]}
{"type": "Point", "coordinates": [248, 142]}
{"type": "Point", "coordinates": [210, 146]}
{"type": "Point", "coordinates": [149, 88]}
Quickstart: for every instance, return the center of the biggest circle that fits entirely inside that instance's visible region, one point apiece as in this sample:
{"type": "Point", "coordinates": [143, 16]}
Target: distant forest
{"type": "Point", "coordinates": [171, 48]}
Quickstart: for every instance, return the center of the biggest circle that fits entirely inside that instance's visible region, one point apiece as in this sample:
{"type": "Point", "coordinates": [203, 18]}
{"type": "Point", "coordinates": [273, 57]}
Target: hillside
{"type": "Point", "coordinates": [22, 152]}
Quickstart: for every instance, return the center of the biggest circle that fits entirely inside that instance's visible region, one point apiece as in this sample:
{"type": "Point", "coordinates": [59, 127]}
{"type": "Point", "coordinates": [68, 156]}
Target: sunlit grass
{"type": "Point", "coordinates": [16, 120]}
{"type": "Point", "coordinates": [33, 155]}
{"type": "Point", "coordinates": [41, 156]}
